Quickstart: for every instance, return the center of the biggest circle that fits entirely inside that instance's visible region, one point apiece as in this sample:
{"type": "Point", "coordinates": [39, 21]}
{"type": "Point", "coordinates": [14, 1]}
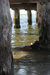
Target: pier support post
{"type": "Point", "coordinates": [29, 17]}
{"type": "Point", "coordinates": [44, 22]}
{"type": "Point", "coordinates": [36, 17]}
{"type": "Point", "coordinates": [17, 19]}
{"type": "Point", "coordinates": [6, 58]}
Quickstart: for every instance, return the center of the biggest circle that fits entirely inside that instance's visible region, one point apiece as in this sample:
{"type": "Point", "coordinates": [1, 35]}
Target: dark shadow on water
{"type": "Point", "coordinates": [37, 62]}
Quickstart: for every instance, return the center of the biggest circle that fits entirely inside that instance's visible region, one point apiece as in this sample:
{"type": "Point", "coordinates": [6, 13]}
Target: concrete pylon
{"type": "Point", "coordinates": [6, 58]}
{"type": "Point", "coordinates": [29, 17]}
{"type": "Point", "coordinates": [17, 19]}
{"type": "Point", "coordinates": [44, 22]}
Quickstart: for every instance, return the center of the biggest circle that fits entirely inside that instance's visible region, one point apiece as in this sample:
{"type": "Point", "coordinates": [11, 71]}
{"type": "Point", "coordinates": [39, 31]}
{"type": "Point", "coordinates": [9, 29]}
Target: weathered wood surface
{"type": "Point", "coordinates": [6, 58]}
{"type": "Point", "coordinates": [25, 1]}
{"type": "Point", "coordinates": [17, 19]}
{"type": "Point", "coordinates": [29, 17]}
{"type": "Point", "coordinates": [26, 6]}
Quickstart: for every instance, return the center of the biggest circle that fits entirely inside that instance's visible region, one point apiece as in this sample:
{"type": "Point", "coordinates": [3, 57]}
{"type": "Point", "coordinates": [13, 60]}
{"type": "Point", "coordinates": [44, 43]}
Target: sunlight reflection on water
{"type": "Point", "coordinates": [19, 54]}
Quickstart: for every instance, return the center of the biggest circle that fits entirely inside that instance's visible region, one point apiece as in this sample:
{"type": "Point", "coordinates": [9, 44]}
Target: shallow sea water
{"type": "Point", "coordinates": [34, 62]}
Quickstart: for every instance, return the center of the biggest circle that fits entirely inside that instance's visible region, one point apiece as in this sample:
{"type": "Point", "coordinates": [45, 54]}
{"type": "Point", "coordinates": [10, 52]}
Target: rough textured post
{"type": "Point", "coordinates": [44, 23]}
{"type": "Point", "coordinates": [6, 58]}
{"type": "Point", "coordinates": [17, 19]}
{"type": "Point", "coordinates": [29, 17]}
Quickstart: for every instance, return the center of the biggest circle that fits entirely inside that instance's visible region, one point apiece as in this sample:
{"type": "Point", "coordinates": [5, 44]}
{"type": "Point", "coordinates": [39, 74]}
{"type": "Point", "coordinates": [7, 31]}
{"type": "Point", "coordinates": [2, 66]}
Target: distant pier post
{"type": "Point", "coordinates": [17, 19]}
{"type": "Point", "coordinates": [29, 17]}
{"type": "Point", "coordinates": [36, 16]}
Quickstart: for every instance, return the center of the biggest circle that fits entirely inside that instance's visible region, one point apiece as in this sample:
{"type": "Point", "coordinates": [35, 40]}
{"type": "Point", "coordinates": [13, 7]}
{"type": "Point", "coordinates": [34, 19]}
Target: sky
{"type": "Point", "coordinates": [25, 12]}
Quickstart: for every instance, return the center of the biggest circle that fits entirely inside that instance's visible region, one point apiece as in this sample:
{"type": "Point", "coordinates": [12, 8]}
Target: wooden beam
{"type": "Point", "coordinates": [25, 1]}
{"type": "Point", "coordinates": [24, 6]}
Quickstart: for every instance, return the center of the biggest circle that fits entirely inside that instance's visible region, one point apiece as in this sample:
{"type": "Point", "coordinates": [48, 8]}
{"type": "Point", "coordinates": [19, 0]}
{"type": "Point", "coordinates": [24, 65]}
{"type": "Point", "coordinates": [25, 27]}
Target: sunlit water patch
{"type": "Point", "coordinates": [19, 54]}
